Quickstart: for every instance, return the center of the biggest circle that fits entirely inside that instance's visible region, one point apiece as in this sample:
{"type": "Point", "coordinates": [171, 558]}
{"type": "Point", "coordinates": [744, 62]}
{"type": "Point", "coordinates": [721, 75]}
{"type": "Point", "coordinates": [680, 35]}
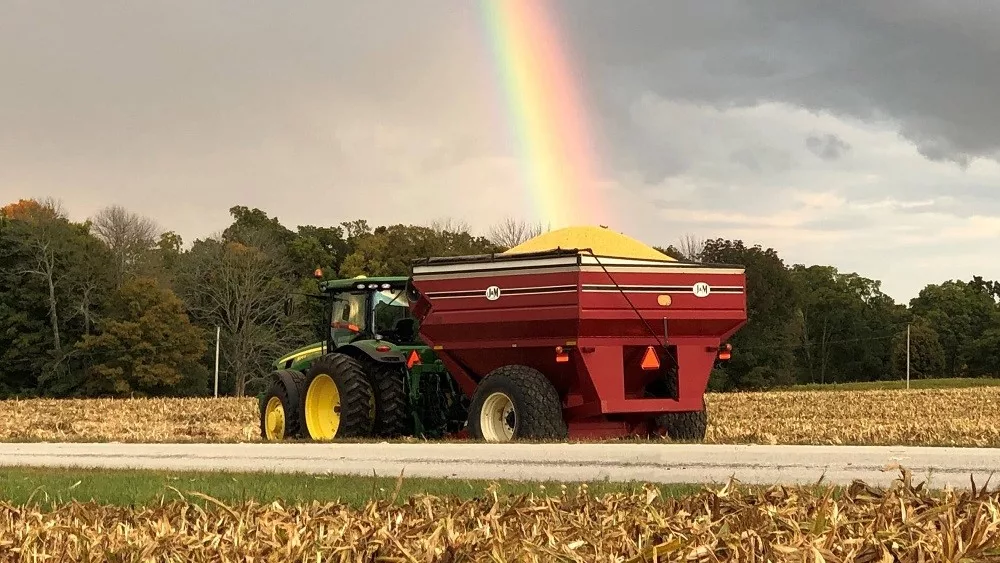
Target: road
{"type": "Point", "coordinates": [664, 463]}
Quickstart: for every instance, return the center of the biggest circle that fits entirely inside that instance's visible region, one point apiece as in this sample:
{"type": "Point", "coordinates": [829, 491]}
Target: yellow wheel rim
{"type": "Point", "coordinates": [497, 419]}
{"type": "Point", "coordinates": [274, 419]}
{"type": "Point", "coordinates": [323, 408]}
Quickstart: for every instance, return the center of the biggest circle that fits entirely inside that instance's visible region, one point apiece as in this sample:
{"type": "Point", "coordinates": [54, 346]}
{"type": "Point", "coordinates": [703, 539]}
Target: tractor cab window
{"type": "Point", "coordinates": [348, 317]}
{"type": "Point", "coordinates": [392, 316]}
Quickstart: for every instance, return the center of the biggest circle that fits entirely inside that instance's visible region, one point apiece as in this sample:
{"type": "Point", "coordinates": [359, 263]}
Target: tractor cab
{"type": "Point", "coordinates": [370, 309]}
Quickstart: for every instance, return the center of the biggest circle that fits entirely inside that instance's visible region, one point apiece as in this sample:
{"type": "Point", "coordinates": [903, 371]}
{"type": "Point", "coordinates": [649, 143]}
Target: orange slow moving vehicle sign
{"type": "Point", "coordinates": [650, 360]}
{"type": "Point", "coordinates": [413, 360]}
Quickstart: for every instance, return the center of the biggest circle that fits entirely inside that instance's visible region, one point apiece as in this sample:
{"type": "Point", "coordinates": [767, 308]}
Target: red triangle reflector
{"type": "Point", "coordinates": [413, 360]}
{"type": "Point", "coordinates": [650, 360]}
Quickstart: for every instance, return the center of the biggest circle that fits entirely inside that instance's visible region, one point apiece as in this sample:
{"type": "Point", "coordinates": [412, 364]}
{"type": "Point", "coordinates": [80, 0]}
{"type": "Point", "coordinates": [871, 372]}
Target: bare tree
{"type": "Point", "coordinates": [511, 232]}
{"type": "Point", "coordinates": [240, 287]}
{"type": "Point", "coordinates": [692, 247]}
{"type": "Point", "coordinates": [129, 236]}
{"type": "Point", "coordinates": [449, 225]}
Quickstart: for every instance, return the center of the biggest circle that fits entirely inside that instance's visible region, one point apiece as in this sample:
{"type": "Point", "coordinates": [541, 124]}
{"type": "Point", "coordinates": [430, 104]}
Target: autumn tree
{"type": "Point", "coordinates": [54, 275]}
{"type": "Point", "coordinates": [146, 346]}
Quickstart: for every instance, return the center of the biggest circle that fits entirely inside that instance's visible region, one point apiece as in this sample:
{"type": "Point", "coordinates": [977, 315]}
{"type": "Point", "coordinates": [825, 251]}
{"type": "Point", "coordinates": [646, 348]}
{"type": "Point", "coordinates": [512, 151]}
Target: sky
{"type": "Point", "coordinates": [858, 134]}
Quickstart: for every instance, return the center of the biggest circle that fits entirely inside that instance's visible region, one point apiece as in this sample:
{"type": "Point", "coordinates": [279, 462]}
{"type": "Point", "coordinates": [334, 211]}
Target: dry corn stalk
{"type": "Point", "coordinates": [926, 417]}
{"type": "Point", "coordinates": [901, 523]}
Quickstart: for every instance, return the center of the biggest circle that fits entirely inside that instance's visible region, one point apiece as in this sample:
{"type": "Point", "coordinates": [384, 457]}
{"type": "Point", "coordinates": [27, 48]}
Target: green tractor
{"type": "Point", "coordinates": [372, 376]}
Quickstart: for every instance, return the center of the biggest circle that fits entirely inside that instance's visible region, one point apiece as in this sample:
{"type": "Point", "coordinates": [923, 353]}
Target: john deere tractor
{"type": "Point", "coordinates": [372, 376]}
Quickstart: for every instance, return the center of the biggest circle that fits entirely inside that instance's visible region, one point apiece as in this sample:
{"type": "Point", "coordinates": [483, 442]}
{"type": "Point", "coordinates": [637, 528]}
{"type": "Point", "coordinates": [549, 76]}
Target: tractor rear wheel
{"type": "Point", "coordinates": [392, 405]}
{"type": "Point", "coordinates": [516, 402]}
{"type": "Point", "coordinates": [338, 401]}
{"type": "Point", "coordinates": [280, 416]}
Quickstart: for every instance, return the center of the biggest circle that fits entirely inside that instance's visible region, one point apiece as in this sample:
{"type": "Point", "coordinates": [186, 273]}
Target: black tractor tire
{"type": "Point", "coordinates": [685, 426]}
{"type": "Point", "coordinates": [287, 386]}
{"type": "Point", "coordinates": [537, 408]}
{"type": "Point", "coordinates": [392, 403]}
{"type": "Point", "coordinates": [357, 399]}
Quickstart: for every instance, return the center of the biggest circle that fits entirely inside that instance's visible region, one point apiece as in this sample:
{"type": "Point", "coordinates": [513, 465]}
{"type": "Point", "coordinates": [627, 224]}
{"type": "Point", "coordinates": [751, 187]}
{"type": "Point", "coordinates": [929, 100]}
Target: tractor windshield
{"type": "Point", "coordinates": [392, 316]}
{"type": "Point", "coordinates": [348, 317]}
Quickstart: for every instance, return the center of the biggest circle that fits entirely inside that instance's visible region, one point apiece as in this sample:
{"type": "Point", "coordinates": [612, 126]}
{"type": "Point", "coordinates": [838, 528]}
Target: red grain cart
{"type": "Point", "coordinates": [565, 343]}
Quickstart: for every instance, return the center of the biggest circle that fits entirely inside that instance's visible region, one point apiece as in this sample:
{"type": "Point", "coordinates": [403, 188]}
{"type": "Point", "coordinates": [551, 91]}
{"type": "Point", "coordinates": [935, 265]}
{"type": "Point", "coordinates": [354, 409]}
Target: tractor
{"type": "Point", "coordinates": [371, 377]}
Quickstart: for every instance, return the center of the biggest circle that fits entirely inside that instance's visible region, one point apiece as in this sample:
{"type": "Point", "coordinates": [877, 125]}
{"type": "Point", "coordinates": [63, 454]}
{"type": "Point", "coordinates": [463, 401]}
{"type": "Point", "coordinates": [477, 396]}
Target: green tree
{"type": "Point", "coordinates": [961, 313]}
{"type": "Point", "coordinates": [845, 324]}
{"type": "Point", "coordinates": [762, 350]}
{"type": "Point", "coordinates": [927, 355]}
{"type": "Point", "coordinates": [389, 251]}
{"type": "Point", "coordinates": [147, 346]}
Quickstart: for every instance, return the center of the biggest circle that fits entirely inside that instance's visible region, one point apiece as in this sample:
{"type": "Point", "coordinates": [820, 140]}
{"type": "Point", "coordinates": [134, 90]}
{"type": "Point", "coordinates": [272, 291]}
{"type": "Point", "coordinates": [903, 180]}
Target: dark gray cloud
{"type": "Point", "coordinates": [827, 147]}
{"type": "Point", "coordinates": [928, 66]}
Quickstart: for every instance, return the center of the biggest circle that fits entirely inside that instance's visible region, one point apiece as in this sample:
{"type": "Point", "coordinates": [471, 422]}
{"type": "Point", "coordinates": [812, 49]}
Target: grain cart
{"type": "Point", "coordinates": [372, 376]}
{"type": "Point", "coordinates": [572, 343]}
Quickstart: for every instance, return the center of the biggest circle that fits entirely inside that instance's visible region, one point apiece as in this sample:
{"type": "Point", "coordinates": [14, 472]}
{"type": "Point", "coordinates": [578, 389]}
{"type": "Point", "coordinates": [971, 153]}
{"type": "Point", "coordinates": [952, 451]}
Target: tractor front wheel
{"type": "Point", "coordinates": [280, 416]}
{"type": "Point", "coordinates": [516, 402]}
{"type": "Point", "coordinates": [338, 401]}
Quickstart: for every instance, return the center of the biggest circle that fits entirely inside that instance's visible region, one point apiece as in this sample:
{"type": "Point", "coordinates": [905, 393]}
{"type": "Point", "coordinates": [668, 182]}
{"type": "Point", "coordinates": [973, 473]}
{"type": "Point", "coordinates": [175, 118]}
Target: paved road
{"type": "Point", "coordinates": [666, 463]}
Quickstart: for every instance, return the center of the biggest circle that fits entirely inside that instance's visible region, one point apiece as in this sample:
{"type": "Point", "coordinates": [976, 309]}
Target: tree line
{"type": "Point", "coordinates": [117, 306]}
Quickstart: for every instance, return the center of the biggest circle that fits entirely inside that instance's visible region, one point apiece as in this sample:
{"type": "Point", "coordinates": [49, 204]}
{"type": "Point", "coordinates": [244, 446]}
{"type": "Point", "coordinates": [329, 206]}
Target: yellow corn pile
{"type": "Point", "coordinates": [604, 242]}
{"type": "Point", "coordinates": [959, 417]}
{"type": "Point", "coordinates": [902, 523]}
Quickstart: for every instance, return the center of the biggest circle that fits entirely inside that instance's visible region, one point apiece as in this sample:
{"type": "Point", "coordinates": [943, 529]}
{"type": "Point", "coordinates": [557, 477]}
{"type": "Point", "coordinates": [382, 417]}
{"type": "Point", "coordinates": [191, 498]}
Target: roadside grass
{"type": "Point", "coordinates": [942, 383]}
{"type": "Point", "coordinates": [50, 487]}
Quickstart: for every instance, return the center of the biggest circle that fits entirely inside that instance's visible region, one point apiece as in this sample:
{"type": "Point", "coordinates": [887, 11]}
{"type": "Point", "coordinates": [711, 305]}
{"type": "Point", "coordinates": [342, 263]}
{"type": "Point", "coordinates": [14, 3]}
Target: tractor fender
{"type": "Point", "coordinates": [366, 350]}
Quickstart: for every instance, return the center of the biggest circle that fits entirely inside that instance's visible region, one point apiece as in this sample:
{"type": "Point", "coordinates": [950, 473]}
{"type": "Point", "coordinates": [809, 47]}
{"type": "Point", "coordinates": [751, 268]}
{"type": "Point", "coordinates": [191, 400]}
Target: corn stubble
{"type": "Point", "coordinates": [734, 523]}
{"type": "Point", "coordinates": [964, 417]}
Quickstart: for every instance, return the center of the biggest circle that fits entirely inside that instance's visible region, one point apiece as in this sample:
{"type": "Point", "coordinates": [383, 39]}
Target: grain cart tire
{"type": "Point", "coordinates": [280, 415]}
{"type": "Point", "coordinates": [686, 426]}
{"type": "Point", "coordinates": [516, 402]}
{"type": "Point", "coordinates": [392, 404]}
{"type": "Point", "coordinates": [338, 401]}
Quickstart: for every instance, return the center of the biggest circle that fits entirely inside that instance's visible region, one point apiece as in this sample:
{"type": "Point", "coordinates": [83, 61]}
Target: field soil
{"type": "Point", "coordinates": [955, 417]}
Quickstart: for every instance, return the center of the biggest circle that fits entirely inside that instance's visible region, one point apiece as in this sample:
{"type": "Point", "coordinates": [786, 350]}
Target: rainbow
{"type": "Point", "coordinates": [546, 115]}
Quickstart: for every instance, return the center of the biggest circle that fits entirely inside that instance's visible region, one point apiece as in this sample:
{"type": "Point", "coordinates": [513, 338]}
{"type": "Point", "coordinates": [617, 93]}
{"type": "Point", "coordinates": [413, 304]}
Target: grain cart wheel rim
{"type": "Point", "coordinates": [323, 407]}
{"type": "Point", "coordinates": [498, 418]}
{"type": "Point", "coordinates": [274, 419]}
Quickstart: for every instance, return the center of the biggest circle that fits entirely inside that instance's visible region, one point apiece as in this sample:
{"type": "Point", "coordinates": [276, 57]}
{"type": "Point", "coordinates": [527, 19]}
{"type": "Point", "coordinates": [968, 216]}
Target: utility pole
{"type": "Point", "coordinates": [907, 356]}
{"type": "Point", "coordinates": [218, 333]}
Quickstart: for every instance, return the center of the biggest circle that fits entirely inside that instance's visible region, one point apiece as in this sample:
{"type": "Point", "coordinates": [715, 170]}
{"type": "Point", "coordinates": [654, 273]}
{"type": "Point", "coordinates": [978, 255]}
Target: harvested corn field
{"type": "Point", "coordinates": [959, 417]}
{"type": "Point", "coordinates": [130, 420]}
{"type": "Point", "coordinates": [903, 523]}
